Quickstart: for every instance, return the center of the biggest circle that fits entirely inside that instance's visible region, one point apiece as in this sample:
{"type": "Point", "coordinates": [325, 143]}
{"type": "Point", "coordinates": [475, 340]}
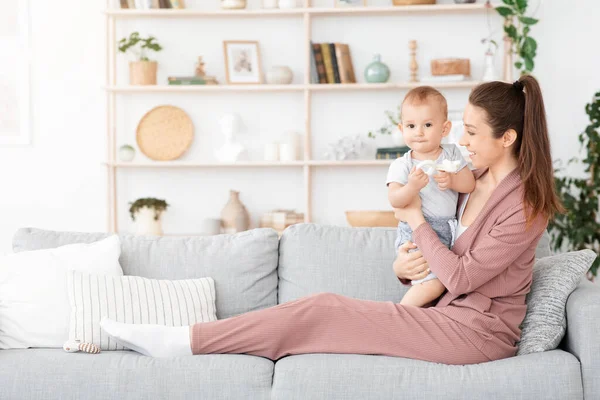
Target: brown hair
{"type": "Point", "coordinates": [520, 106]}
{"type": "Point", "coordinates": [421, 94]}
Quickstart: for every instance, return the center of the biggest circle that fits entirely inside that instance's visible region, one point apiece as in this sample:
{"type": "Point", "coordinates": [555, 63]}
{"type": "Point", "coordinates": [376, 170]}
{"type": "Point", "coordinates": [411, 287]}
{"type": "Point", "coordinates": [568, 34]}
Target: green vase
{"type": "Point", "coordinates": [377, 72]}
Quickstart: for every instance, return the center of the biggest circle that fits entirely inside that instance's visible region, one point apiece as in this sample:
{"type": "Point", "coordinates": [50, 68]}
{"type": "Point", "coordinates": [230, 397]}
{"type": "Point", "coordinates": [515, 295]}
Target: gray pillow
{"type": "Point", "coordinates": [554, 278]}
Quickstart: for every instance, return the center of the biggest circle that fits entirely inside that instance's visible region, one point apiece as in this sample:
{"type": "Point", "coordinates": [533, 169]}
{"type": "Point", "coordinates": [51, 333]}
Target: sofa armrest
{"type": "Point", "coordinates": [582, 338]}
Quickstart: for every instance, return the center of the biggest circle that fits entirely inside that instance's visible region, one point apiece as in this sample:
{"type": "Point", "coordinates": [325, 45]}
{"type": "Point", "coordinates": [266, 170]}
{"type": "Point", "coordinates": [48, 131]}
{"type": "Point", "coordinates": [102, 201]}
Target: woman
{"type": "Point", "coordinates": [487, 273]}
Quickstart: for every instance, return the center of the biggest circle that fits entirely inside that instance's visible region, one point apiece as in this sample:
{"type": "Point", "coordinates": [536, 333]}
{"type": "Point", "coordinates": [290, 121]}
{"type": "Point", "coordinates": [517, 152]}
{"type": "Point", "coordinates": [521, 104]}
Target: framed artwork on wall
{"type": "Point", "coordinates": [242, 62]}
{"type": "Point", "coordinates": [15, 59]}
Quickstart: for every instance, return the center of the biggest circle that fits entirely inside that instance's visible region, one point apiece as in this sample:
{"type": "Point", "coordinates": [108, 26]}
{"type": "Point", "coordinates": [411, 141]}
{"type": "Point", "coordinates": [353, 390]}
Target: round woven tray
{"type": "Point", "coordinates": [165, 133]}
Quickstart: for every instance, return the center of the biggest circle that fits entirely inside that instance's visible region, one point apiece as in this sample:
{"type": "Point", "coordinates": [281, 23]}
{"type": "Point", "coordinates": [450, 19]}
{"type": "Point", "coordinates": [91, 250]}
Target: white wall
{"type": "Point", "coordinates": [58, 182]}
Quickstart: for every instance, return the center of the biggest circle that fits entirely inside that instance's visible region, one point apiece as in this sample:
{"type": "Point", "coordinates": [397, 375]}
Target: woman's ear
{"type": "Point", "coordinates": [509, 137]}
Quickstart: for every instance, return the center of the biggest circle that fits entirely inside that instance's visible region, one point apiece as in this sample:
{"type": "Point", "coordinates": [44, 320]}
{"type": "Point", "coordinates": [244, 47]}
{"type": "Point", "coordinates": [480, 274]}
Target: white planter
{"type": "Point", "coordinates": [397, 138]}
{"type": "Point", "coordinates": [146, 224]}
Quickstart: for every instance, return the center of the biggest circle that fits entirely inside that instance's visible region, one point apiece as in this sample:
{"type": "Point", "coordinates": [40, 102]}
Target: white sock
{"type": "Point", "coordinates": [150, 340]}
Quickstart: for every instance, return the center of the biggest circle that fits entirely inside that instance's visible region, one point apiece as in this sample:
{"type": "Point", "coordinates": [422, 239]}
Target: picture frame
{"type": "Point", "coordinates": [242, 62]}
{"type": "Point", "coordinates": [349, 3]}
{"type": "Point", "coordinates": [15, 56]}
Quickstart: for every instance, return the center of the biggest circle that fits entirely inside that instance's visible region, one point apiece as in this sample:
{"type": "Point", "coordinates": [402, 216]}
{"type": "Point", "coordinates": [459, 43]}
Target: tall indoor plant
{"type": "Point", "coordinates": [579, 228]}
{"type": "Point", "coordinates": [517, 27]}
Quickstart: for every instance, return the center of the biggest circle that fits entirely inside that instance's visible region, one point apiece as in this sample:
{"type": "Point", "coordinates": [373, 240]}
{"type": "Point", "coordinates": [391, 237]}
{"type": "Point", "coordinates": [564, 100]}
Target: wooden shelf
{"type": "Point", "coordinates": [307, 16]}
{"type": "Point", "coordinates": [287, 88]}
{"type": "Point", "coordinates": [249, 164]}
{"type": "Point", "coordinates": [316, 11]}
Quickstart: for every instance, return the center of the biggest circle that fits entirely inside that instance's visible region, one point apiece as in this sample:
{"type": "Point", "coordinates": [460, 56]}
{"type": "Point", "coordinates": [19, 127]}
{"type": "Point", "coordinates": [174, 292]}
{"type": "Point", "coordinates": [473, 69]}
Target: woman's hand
{"type": "Point", "coordinates": [411, 214]}
{"type": "Point", "coordinates": [411, 266]}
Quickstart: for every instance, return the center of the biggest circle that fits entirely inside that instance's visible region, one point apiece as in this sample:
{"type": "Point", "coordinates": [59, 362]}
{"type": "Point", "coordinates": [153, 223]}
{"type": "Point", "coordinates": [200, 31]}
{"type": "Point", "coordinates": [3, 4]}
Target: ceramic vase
{"type": "Point", "coordinates": [234, 216]}
{"type": "Point", "coordinates": [377, 72]}
{"type": "Point", "coordinates": [126, 153]}
{"type": "Point", "coordinates": [147, 223]}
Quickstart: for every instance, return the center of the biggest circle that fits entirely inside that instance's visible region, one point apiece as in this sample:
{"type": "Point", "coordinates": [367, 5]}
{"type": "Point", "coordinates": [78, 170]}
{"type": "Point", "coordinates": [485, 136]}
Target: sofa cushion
{"type": "Point", "coordinates": [554, 279]}
{"type": "Point", "coordinates": [243, 265]}
{"type": "Point", "coordinates": [355, 262]}
{"type": "Point", "coordinates": [137, 300]}
{"type": "Point", "coordinates": [34, 305]}
{"type": "Point", "coordinates": [552, 375]}
{"type": "Point", "coordinates": [55, 374]}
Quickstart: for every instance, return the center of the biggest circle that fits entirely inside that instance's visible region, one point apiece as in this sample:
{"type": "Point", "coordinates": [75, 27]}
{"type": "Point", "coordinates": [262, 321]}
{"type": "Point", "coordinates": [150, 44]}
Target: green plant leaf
{"type": "Point", "coordinates": [528, 20]}
{"type": "Point", "coordinates": [530, 46]}
{"type": "Point", "coordinates": [511, 32]}
{"type": "Point", "coordinates": [529, 65]}
{"type": "Point", "coordinates": [509, 2]}
{"type": "Point", "coordinates": [505, 11]}
{"type": "Point", "coordinates": [521, 5]}
{"type": "Point", "coordinates": [518, 64]}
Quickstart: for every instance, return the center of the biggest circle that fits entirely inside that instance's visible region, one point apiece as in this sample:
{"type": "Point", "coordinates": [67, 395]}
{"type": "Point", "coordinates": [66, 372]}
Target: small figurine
{"type": "Point", "coordinates": [200, 67]}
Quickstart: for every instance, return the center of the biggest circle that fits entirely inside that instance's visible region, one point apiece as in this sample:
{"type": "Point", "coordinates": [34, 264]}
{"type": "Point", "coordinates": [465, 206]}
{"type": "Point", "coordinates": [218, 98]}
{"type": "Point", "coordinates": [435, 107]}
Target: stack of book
{"type": "Point", "coordinates": [391, 153]}
{"type": "Point", "coordinates": [331, 63]}
{"type": "Point", "coordinates": [192, 80]}
{"type": "Point", "coordinates": [281, 219]}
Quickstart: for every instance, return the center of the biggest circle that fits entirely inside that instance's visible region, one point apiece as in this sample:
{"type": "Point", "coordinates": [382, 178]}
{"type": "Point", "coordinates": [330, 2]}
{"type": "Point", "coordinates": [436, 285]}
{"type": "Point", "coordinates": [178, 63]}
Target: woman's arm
{"type": "Point", "coordinates": [490, 256]}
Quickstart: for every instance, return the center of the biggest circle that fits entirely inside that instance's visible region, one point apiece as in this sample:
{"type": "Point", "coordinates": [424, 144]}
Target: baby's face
{"type": "Point", "coordinates": [423, 126]}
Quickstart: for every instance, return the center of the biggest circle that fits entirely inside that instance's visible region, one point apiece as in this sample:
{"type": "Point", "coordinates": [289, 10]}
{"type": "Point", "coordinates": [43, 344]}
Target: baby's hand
{"type": "Point", "coordinates": [443, 179]}
{"type": "Point", "coordinates": [418, 178]}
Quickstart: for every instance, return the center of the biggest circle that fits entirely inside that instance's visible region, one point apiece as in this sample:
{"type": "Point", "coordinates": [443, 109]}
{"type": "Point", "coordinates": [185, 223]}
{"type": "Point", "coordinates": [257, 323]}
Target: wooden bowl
{"type": "Point", "coordinates": [371, 218]}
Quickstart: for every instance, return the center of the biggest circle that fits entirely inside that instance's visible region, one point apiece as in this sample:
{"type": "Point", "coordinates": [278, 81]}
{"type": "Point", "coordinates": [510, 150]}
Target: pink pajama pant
{"type": "Point", "coordinates": [331, 323]}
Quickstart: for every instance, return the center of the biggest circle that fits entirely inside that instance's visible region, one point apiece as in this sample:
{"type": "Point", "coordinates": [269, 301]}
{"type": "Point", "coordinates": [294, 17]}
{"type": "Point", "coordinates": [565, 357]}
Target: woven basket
{"type": "Point", "coordinates": [165, 133]}
{"type": "Point", "coordinates": [451, 66]}
{"type": "Point", "coordinates": [412, 2]}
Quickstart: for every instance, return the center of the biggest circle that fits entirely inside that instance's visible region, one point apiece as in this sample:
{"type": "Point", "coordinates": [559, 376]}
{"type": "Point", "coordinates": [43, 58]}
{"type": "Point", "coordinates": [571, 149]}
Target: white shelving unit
{"type": "Point", "coordinates": [307, 13]}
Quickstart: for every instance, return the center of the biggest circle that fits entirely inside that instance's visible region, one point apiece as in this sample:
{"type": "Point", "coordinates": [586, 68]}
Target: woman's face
{"type": "Point", "coordinates": [484, 149]}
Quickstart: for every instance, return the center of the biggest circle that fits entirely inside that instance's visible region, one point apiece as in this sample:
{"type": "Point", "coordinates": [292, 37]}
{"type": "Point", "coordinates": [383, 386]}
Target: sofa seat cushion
{"type": "Point", "coordinates": [551, 375]}
{"type": "Point", "coordinates": [55, 374]}
{"type": "Point", "coordinates": [243, 265]}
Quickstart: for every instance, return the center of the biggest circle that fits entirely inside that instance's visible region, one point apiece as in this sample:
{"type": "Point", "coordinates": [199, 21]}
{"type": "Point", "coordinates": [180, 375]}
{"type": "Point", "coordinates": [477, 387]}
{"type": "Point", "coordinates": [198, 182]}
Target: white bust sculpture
{"type": "Point", "coordinates": [231, 150]}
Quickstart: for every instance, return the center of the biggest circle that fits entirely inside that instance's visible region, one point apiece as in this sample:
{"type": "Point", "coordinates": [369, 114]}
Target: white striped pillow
{"type": "Point", "coordinates": [133, 299]}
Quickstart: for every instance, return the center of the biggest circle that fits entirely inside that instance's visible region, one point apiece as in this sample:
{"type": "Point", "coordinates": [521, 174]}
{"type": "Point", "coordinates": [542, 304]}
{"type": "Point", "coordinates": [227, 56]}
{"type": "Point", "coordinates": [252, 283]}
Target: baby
{"type": "Point", "coordinates": [424, 122]}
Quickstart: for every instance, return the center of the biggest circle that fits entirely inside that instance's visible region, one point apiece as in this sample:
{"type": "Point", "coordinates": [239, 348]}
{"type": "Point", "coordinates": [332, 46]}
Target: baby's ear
{"type": "Point", "coordinates": [446, 128]}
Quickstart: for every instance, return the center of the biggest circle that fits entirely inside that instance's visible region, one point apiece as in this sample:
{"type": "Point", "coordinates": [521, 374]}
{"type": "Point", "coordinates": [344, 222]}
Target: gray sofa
{"type": "Point", "coordinates": [255, 269]}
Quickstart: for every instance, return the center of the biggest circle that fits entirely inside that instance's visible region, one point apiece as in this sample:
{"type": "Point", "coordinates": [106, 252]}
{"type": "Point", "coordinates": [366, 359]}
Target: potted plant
{"type": "Point", "coordinates": [391, 127]}
{"type": "Point", "coordinates": [579, 228]}
{"type": "Point", "coordinates": [146, 213]}
{"type": "Point", "coordinates": [523, 46]}
{"type": "Point", "coordinates": [143, 70]}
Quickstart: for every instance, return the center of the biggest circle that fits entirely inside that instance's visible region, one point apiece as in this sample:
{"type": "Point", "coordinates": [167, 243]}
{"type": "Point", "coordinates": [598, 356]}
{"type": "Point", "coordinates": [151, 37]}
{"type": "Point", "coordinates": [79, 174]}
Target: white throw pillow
{"type": "Point", "coordinates": [137, 300]}
{"type": "Point", "coordinates": [34, 302]}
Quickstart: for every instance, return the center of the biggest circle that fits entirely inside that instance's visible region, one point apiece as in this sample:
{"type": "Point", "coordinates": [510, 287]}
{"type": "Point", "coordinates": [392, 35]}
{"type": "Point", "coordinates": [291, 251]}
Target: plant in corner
{"type": "Point", "coordinates": [390, 127]}
{"type": "Point", "coordinates": [146, 213]}
{"type": "Point", "coordinates": [579, 228]}
{"type": "Point", "coordinates": [523, 45]}
{"type": "Point", "coordinates": [143, 70]}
